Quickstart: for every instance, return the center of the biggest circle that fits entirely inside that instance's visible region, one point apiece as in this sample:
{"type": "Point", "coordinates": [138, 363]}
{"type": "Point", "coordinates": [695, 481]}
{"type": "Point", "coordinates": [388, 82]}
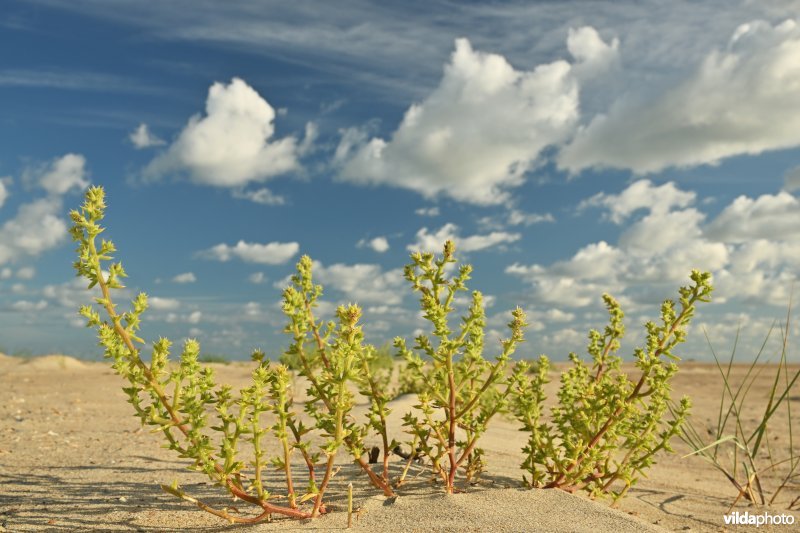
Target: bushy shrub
{"type": "Point", "coordinates": [606, 428]}
{"type": "Point", "coordinates": [459, 390]}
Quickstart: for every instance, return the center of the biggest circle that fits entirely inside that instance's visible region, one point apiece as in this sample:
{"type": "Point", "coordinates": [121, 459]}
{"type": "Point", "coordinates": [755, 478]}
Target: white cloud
{"type": "Point", "coordinates": [73, 293]}
{"type": "Point", "coordinates": [593, 55]}
{"type": "Point", "coordinates": [378, 244]}
{"type": "Point", "coordinates": [26, 306]}
{"type": "Point", "coordinates": [434, 242]}
{"type": "Point", "coordinates": [517, 217]}
{"type": "Point", "coordinates": [35, 229]}
{"type": "Point", "coordinates": [26, 273]}
{"type": "Point", "coordinates": [63, 174]}
{"type": "Point", "coordinates": [791, 180]}
{"type": "Point", "coordinates": [655, 252]}
{"type": "Point", "coordinates": [163, 304]}
{"type": "Point", "coordinates": [513, 217]}
{"type": "Point", "coordinates": [477, 133]}
{"type": "Point", "coordinates": [641, 194]}
{"type": "Point", "coordinates": [273, 253]}
{"type": "Point", "coordinates": [232, 144]}
{"type": "Point", "coordinates": [775, 217]}
{"type": "Point", "coordinates": [4, 190]}
{"type": "Point", "coordinates": [740, 100]}
{"type": "Point", "coordinates": [253, 309]}
{"type": "Point", "coordinates": [361, 283]}
{"type": "Point", "coordinates": [760, 271]}
{"type": "Point", "coordinates": [142, 138]}
{"type": "Point", "coordinates": [578, 281]}
{"type": "Point", "coordinates": [257, 278]}
{"type": "Point", "coordinates": [192, 318]}
{"type": "Point", "coordinates": [427, 211]}
{"type": "Point", "coordinates": [261, 196]}
{"type": "Point", "coordinates": [186, 277]}
{"type": "Point", "coordinates": [557, 315]}
{"type": "Point", "coordinates": [6, 273]}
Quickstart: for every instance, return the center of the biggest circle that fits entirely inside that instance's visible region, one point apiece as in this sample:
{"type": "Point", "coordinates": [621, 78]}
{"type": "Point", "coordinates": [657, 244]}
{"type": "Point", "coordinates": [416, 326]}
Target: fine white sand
{"type": "Point", "coordinates": [72, 458]}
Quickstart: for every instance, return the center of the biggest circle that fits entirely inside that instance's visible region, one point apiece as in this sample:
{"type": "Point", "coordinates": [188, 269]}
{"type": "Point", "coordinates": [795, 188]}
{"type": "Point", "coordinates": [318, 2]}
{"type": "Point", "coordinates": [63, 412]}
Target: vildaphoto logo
{"type": "Point", "coordinates": [748, 519]}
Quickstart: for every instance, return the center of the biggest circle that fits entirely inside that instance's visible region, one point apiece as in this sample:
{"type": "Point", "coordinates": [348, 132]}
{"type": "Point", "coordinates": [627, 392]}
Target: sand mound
{"type": "Point", "coordinates": [498, 510]}
{"type": "Point", "coordinates": [55, 362]}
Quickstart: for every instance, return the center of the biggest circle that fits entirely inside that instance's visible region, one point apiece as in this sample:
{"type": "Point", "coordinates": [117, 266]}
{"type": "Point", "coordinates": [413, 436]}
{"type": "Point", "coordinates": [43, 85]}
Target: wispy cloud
{"type": "Point", "coordinates": [53, 78]}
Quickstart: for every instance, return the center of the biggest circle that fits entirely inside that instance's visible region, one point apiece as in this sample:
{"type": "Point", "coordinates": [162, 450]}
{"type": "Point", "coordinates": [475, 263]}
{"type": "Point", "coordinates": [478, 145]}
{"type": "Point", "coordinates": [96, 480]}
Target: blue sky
{"type": "Point", "coordinates": [570, 148]}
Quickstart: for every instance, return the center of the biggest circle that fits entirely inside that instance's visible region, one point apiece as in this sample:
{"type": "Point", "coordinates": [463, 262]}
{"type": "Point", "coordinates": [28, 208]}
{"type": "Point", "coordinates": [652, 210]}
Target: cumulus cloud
{"type": "Point", "coordinates": [361, 283]}
{"type": "Point", "coordinates": [142, 138]}
{"type": "Point", "coordinates": [273, 253]}
{"type": "Point", "coordinates": [592, 54]}
{"type": "Point", "coordinates": [775, 217]}
{"type": "Point", "coordinates": [36, 228]}
{"type": "Point", "coordinates": [163, 304]}
{"type": "Point", "coordinates": [752, 248]}
{"type": "Point", "coordinates": [433, 242]}
{"type": "Point", "coordinates": [26, 273]}
{"type": "Point", "coordinates": [64, 174]}
{"type": "Point", "coordinates": [378, 244]}
{"type": "Point", "coordinates": [427, 211]}
{"type": "Point", "coordinates": [186, 277]}
{"type": "Point", "coordinates": [233, 143]}
{"type": "Point", "coordinates": [26, 306]}
{"type": "Point", "coordinates": [479, 131]}
{"type": "Point", "coordinates": [192, 318]}
{"type": "Point", "coordinates": [517, 217]}
{"type": "Point", "coordinates": [642, 194]}
{"type": "Point", "coordinates": [791, 180]}
{"type": "Point", "coordinates": [257, 278]}
{"type": "Point", "coordinates": [261, 196]}
{"type": "Point", "coordinates": [741, 100]}
{"type": "Point", "coordinates": [37, 225]}
{"type": "Point", "coordinates": [3, 190]}
{"type": "Point", "coordinates": [655, 251]}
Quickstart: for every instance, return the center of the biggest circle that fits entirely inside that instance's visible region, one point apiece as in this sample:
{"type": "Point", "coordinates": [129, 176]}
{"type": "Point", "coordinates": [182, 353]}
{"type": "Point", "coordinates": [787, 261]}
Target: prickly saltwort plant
{"type": "Point", "coordinates": [606, 429]}
{"type": "Point", "coordinates": [183, 402]}
{"type": "Point", "coordinates": [460, 390]}
{"type": "Point", "coordinates": [329, 367]}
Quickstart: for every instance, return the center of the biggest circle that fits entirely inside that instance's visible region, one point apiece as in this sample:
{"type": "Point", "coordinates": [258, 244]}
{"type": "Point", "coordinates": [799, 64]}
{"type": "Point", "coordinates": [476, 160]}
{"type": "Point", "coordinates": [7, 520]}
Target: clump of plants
{"type": "Point", "coordinates": [602, 435]}
{"type": "Point", "coordinates": [209, 424]}
{"type": "Point", "coordinates": [744, 451]}
{"type": "Point", "coordinates": [459, 391]}
{"type": "Point", "coordinates": [606, 429]}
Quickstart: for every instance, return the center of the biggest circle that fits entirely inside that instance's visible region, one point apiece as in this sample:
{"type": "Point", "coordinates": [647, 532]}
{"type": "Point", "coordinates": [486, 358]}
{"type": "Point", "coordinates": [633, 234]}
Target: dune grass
{"type": "Point", "coordinates": [743, 452]}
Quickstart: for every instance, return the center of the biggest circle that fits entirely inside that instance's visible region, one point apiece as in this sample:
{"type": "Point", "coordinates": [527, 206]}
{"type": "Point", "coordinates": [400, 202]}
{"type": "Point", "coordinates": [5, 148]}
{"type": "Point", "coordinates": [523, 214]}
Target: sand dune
{"type": "Point", "coordinates": [73, 458]}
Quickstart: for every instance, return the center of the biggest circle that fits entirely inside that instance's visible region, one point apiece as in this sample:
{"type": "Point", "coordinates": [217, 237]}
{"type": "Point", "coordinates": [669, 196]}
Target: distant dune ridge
{"type": "Point", "coordinates": [73, 458]}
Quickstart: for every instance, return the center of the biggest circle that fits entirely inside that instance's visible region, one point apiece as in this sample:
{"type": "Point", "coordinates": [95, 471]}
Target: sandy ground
{"type": "Point", "coordinates": [72, 458]}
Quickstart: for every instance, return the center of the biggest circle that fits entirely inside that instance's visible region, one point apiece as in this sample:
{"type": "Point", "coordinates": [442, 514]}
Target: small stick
{"type": "Point", "coordinates": [349, 505]}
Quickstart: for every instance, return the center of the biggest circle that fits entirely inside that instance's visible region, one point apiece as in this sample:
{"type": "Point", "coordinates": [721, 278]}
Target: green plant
{"type": "Point", "coordinates": [606, 428]}
{"type": "Point", "coordinates": [329, 366]}
{"type": "Point", "coordinates": [737, 447]}
{"type": "Point", "coordinates": [213, 358]}
{"type": "Point", "coordinates": [459, 388]}
{"type": "Point", "coordinates": [204, 422]}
